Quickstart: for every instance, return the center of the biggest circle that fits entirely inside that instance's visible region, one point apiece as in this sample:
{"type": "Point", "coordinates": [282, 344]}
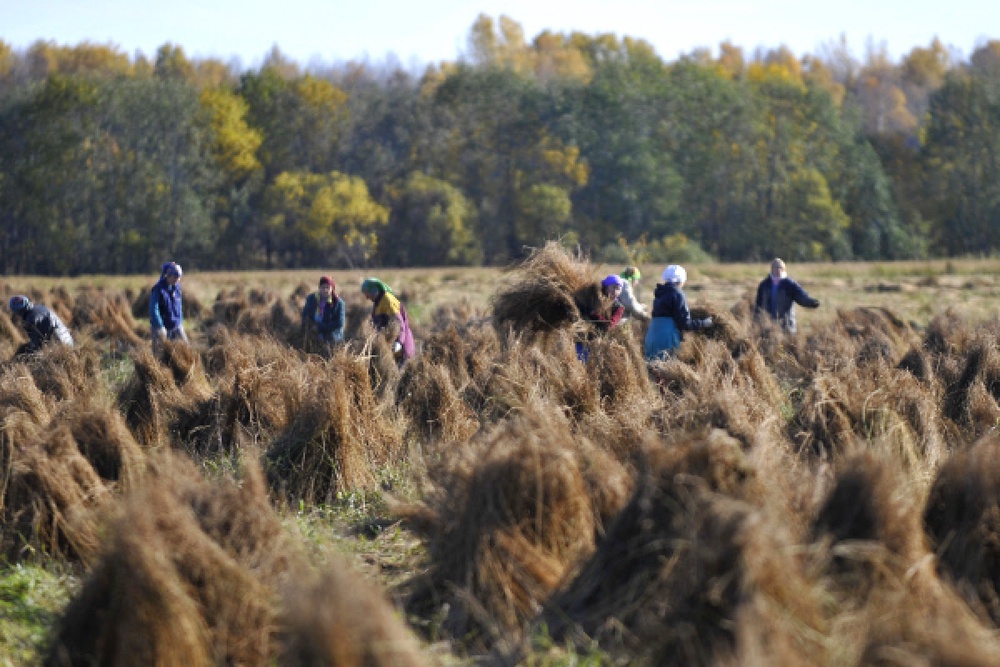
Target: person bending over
{"type": "Point", "coordinates": [41, 324]}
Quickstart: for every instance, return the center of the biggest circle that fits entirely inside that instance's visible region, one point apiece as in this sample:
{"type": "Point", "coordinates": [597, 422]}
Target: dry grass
{"type": "Point", "coordinates": [63, 452]}
{"type": "Point", "coordinates": [684, 560]}
{"type": "Point", "coordinates": [338, 436]}
{"type": "Point", "coordinates": [162, 392]}
{"type": "Point", "coordinates": [550, 290]}
{"type": "Point", "coordinates": [756, 500]}
{"type": "Point", "coordinates": [506, 518]}
{"type": "Point", "coordinates": [963, 522]}
{"type": "Point", "coordinates": [190, 576]}
{"type": "Point", "coordinates": [343, 622]}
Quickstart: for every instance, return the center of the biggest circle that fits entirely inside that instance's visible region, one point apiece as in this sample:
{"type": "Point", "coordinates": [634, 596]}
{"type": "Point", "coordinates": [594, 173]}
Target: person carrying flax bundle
{"type": "Point", "coordinates": [604, 319]}
{"type": "Point", "coordinates": [548, 291]}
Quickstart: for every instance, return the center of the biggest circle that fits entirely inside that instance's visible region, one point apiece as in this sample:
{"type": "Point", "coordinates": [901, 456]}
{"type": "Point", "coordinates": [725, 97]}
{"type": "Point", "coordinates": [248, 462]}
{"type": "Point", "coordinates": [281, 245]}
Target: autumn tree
{"type": "Point", "coordinates": [431, 224]}
{"type": "Point", "coordinates": [961, 168]}
{"type": "Point", "coordinates": [633, 186]}
{"type": "Point", "coordinates": [321, 219]}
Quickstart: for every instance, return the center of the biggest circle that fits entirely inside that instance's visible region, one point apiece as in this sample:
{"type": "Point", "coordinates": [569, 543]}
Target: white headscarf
{"type": "Point", "coordinates": [674, 274]}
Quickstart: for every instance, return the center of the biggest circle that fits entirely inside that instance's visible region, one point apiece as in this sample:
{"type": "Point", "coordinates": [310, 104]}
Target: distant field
{"type": "Point", "coordinates": [916, 290]}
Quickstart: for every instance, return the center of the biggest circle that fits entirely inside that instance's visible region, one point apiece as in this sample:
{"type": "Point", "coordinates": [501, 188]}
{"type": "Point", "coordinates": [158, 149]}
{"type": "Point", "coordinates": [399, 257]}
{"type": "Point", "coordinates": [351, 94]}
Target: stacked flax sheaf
{"type": "Point", "coordinates": [196, 574]}
{"type": "Point", "coordinates": [64, 450]}
{"type": "Point", "coordinates": [506, 519]}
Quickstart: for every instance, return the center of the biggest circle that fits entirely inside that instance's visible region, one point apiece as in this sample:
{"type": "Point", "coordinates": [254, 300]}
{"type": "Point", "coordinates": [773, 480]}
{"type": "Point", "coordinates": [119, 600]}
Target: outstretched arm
{"type": "Point", "coordinates": [801, 297]}
{"type": "Point", "coordinates": [685, 321]}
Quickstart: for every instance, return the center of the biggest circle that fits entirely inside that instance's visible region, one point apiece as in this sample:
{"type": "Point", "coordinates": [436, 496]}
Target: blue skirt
{"type": "Point", "coordinates": [663, 338]}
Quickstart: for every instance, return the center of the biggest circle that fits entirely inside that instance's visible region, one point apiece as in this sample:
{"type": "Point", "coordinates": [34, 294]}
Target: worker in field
{"type": "Point", "coordinates": [324, 313]}
{"type": "Point", "coordinates": [606, 316]}
{"type": "Point", "coordinates": [629, 297]}
{"type": "Point", "coordinates": [41, 324]}
{"type": "Point", "coordinates": [166, 311]}
{"type": "Point", "coordinates": [671, 315]}
{"type": "Point", "coordinates": [389, 315]}
{"type": "Point", "coordinates": [777, 295]}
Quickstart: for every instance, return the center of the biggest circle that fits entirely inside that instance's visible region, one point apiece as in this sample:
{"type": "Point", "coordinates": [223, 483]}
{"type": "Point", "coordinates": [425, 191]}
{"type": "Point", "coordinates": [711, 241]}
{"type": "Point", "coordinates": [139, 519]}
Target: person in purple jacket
{"type": "Point", "coordinates": [166, 313]}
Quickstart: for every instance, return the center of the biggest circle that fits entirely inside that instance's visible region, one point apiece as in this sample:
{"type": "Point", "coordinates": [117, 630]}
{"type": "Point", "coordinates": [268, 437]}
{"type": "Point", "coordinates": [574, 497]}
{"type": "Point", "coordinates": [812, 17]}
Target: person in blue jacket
{"type": "Point", "coordinates": [671, 316]}
{"type": "Point", "coordinates": [324, 311]}
{"type": "Point", "coordinates": [166, 313]}
{"type": "Point", "coordinates": [777, 295]}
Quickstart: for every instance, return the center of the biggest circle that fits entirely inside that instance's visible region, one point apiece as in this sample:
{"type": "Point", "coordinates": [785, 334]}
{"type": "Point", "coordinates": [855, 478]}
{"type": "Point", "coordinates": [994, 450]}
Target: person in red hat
{"type": "Point", "coordinates": [324, 312]}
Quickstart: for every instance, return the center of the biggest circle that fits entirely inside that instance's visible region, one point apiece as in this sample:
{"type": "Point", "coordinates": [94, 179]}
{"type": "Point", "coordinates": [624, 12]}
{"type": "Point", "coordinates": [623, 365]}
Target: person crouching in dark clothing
{"type": "Point", "coordinates": [777, 295]}
{"type": "Point", "coordinates": [40, 323]}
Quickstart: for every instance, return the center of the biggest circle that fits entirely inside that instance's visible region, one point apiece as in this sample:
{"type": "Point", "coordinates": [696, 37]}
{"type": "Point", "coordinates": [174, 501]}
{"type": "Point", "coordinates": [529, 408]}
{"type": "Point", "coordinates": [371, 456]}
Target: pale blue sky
{"type": "Point", "coordinates": [426, 31]}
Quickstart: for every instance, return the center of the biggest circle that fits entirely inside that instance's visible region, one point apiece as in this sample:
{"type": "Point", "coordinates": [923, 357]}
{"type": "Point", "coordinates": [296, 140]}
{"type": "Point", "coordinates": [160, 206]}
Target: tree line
{"type": "Point", "coordinates": [111, 163]}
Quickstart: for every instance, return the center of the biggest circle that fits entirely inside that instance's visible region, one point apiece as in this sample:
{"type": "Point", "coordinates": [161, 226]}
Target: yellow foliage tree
{"type": "Point", "coordinates": [731, 59]}
{"type": "Point", "coordinates": [171, 62]}
{"type": "Point", "coordinates": [314, 214]}
{"type": "Point", "coordinates": [45, 58]}
{"type": "Point", "coordinates": [234, 142]}
{"type": "Point", "coordinates": [557, 57]}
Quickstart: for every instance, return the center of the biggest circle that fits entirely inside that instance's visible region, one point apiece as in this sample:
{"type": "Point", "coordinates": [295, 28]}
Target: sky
{"type": "Point", "coordinates": [419, 32]}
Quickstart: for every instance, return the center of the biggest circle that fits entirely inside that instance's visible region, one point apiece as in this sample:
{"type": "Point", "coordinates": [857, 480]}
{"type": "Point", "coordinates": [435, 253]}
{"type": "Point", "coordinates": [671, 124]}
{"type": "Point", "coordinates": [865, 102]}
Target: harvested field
{"type": "Point", "coordinates": [824, 498]}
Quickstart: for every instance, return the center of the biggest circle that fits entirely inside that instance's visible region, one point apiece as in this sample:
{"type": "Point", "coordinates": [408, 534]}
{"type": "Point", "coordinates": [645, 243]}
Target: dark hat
{"type": "Point", "coordinates": [171, 269]}
{"type": "Point", "coordinates": [612, 281]}
{"type": "Point", "coordinates": [19, 303]}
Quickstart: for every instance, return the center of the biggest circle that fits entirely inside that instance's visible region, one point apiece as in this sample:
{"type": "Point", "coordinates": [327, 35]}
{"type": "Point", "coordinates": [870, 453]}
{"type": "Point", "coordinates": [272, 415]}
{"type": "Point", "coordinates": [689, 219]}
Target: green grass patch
{"type": "Point", "coordinates": [31, 599]}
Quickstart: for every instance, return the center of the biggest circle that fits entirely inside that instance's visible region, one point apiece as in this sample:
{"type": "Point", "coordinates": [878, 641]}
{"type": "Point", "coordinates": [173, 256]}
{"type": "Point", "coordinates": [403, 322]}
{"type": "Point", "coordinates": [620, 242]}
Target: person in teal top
{"type": "Point", "coordinates": [324, 312]}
